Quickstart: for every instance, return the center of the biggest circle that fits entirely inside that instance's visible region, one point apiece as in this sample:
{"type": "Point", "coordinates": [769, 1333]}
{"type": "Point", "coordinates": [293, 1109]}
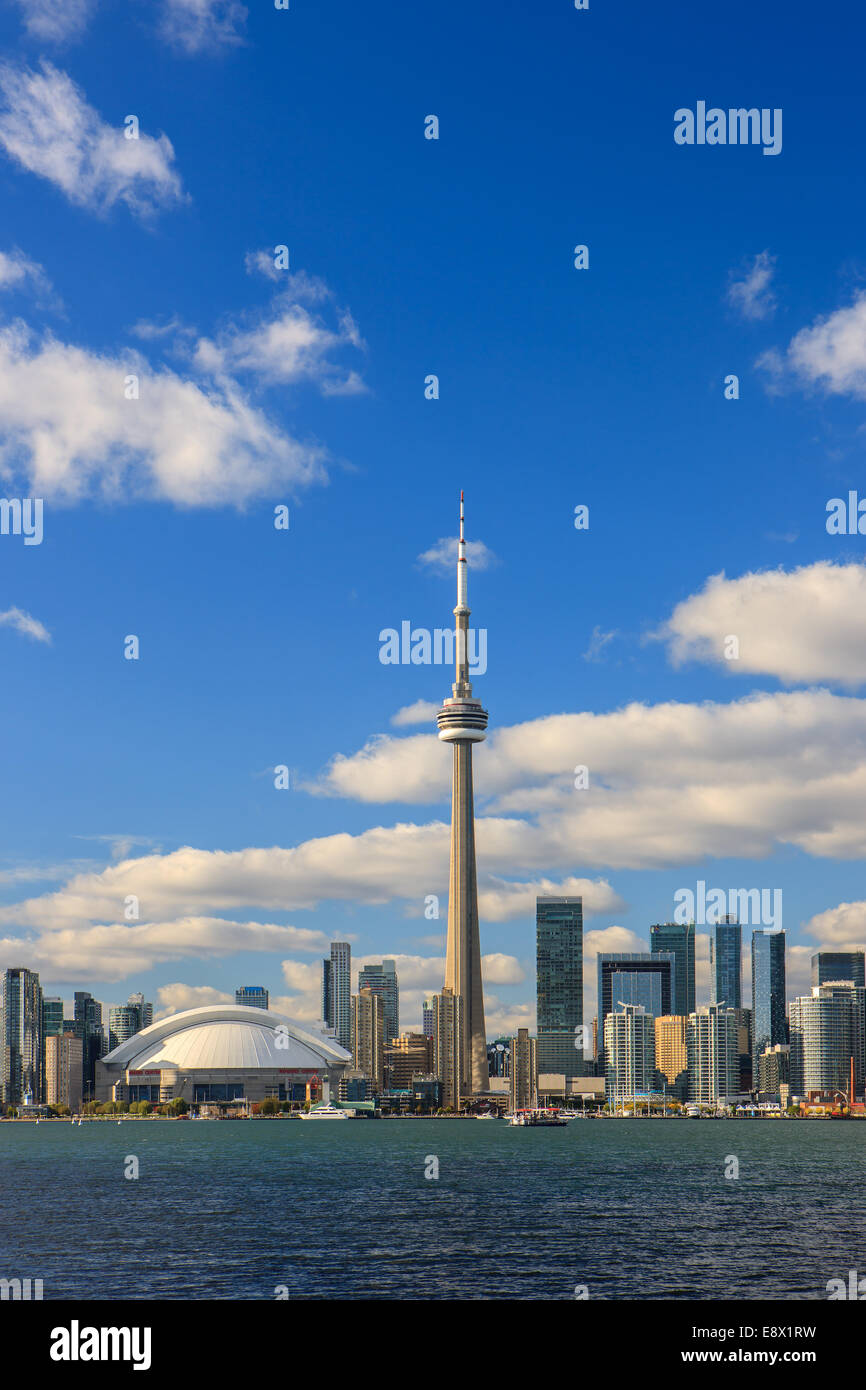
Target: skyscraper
{"type": "Point", "coordinates": [672, 1061]}
{"type": "Point", "coordinates": [523, 1071]}
{"type": "Point", "coordinates": [838, 965]}
{"type": "Point", "coordinates": [825, 1029]}
{"type": "Point", "coordinates": [678, 939]}
{"type": "Point", "coordinates": [714, 1059]}
{"type": "Point", "coordinates": [339, 990]}
{"type": "Point", "coordinates": [52, 1016]}
{"type": "Point", "coordinates": [448, 1049]}
{"type": "Point", "coordinates": [630, 1053]}
{"type": "Point", "coordinates": [382, 979]}
{"type": "Point", "coordinates": [21, 1036]}
{"type": "Point", "coordinates": [252, 996]}
{"type": "Point", "coordinates": [88, 1027]}
{"type": "Point", "coordinates": [633, 977]}
{"type": "Point", "coordinates": [125, 1020]}
{"type": "Point", "coordinates": [368, 1036]}
{"type": "Point", "coordinates": [769, 1024]}
{"type": "Point", "coordinates": [462, 721]}
{"type": "Point", "coordinates": [726, 967]}
{"type": "Point", "coordinates": [559, 984]}
{"type": "Point", "coordinates": [64, 1057]}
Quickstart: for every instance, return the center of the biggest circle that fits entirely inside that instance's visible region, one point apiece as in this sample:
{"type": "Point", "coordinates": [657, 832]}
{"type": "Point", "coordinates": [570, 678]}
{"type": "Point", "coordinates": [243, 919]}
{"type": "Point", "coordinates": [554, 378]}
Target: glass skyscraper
{"type": "Point", "coordinates": [633, 977]}
{"type": "Point", "coordinates": [21, 1035]}
{"type": "Point", "coordinates": [559, 984]}
{"type": "Point", "coordinates": [726, 968]}
{"type": "Point", "coordinates": [829, 966]}
{"type": "Point", "coordinates": [769, 1024]}
{"type": "Point", "coordinates": [381, 978]}
{"type": "Point", "coordinates": [678, 939]}
{"type": "Point", "coordinates": [339, 989]}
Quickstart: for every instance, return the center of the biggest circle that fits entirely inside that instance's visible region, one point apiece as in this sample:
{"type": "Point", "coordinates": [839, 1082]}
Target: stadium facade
{"type": "Point", "coordinates": [221, 1053]}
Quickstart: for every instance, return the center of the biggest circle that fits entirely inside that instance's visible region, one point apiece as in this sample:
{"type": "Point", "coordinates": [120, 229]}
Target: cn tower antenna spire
{"type": "Point", "coordinates": [461, 564]}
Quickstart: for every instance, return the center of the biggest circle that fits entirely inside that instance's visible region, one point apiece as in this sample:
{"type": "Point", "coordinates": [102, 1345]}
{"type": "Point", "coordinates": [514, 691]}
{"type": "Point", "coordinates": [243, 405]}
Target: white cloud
{"type": "Point", "coordinates": [262, 263]}
{"type": "Point", "coordinates": [597, 643]}
{"type": "Point", "coordinates": [47, 126]}
{"type": "Point", "coordinates": [830, 354]}
{"type": "Point", "coordinates": [502, 901]}
{"type": "Point", "coordinates": [751, 295]}
{"type": "Point", "coordinates": [18, 271]}
{"type": "Point", "coordinates": [69, 429]}
{"type": "Point", "coordinates": [841, 928]}
{"type": "Point", "coordinates": [201, 26]}
{"type": "Point", "coordinates": [56, 20]}
{"type": "Point", "coordinates": [23, 622]}
{"type": "Point", "coordinates": [174, 998]}
{"type": "Point", "coordinates": [421, 712]}
{"type": "Point", "coordinates": [287, 344]}
{"type": "Point", "coordinates": [443, 555]}
{"type": "Point", "coordinates": [805, 625]}
{"type": "Point", "coordinates": [112, 952]}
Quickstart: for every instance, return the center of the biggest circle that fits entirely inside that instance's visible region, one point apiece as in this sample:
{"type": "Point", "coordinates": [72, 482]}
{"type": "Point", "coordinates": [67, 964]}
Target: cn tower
{"type": "Point", "coordinates": [462, 721]}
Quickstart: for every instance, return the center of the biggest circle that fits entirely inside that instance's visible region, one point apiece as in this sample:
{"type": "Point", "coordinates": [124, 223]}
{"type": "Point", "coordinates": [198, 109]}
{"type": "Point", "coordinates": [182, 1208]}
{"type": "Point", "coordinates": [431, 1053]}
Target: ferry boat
{"type": "Point", "coordinates": [326, 1111]}
{"type": "Point", "coordinates": [536, 1117]}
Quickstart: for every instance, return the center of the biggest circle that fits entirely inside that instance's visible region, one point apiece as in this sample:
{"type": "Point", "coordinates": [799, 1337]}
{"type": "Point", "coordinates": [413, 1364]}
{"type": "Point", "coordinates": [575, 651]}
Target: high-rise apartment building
{"type": "Point", "coordinates": [826, 1033]}
{"type": "Point", "coordinates": [427, 1018]}
{"type": "Point", "coordinates": [559, 984]}
{"type": "Point", "coordinates": [672, 1058]}
{"type": "Point", "coordinates": [523, 1071]}
{"type": "Point", "coordinates": [337, 983]}
{"type": "Point", "coordinates": [125, 1020]}
{"type": "Point", "coordinates": [52, 1016]}
{"type": "Point", "coordinates": [381, 978]}
{"type": "Point", "coordinates": [368, 1036]}
{"type": "Point", "coordinates": [252, 996]}
{"type": "Point", "coordinates": [726, 963]}
{"type": "Point", "coordinates": [677, 939]}
{"type": "Point", "coordinates": [21, 1033]}
{"type": "Point", "coordinates": [630, 1054]}
{"type": "Point", "coordinates": [714, 1059]}
{"type": "Point", "coordinates": [64, 1070]}
{"type": "Point", "coordinates": [448, 1047]}
{"type": "Point", "coordinates": [405, 1057]}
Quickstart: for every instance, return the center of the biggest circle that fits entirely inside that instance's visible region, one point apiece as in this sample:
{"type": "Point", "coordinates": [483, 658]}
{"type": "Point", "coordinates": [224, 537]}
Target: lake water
{"type": "Point", "coordinates": [631, 1209]}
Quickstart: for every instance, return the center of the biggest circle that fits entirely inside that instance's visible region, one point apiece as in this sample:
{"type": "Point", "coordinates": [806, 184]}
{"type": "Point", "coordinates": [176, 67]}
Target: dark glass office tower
{"type": "Point", "coordinates": [830, 966]}
{"type": "Point", "coordinates": [88, 1027]}
{"type": "Point", "coordinates": [559, 984]}
{"type": "Point", "coordinates": [678, 939]}
{"type": "Point", "coordinates": [769, 1025]}
{"type": "Point", "coordinates": [633, 977]}
{"type": "Point", "coordinates": [726, 969]}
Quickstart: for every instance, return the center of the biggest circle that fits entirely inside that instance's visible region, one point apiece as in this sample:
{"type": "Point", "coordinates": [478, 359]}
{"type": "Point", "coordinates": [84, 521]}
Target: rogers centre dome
{"type": "Point", "coordinates": [222, 1052]}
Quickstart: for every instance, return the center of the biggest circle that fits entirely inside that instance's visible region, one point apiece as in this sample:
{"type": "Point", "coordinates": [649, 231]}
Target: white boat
{"type": "Point", "coordinates": [536, 1117]}
{"type": "Point", "coordinates": [488, 1115]}
{"type": "Point", "coordinates": [324, 1112]}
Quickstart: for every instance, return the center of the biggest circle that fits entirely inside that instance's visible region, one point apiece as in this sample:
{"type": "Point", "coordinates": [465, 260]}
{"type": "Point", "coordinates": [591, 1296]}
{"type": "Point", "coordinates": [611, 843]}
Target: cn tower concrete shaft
{"type": "Point", "coordinates": [462, 721]}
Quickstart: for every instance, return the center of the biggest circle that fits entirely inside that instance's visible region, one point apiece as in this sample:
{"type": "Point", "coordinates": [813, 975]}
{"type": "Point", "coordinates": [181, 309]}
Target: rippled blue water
{"type": "Point", "coordinates": [632, 1209]}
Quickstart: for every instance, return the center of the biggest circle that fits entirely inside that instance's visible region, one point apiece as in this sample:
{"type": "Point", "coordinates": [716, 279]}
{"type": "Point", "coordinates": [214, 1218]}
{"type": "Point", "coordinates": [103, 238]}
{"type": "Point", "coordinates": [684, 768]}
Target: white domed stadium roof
{"type": "Point", "coordinates": [227, 1037]}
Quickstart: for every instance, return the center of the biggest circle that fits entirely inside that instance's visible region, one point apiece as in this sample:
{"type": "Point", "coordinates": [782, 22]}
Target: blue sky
{"type": "Point", "coordinates": [305, 128]}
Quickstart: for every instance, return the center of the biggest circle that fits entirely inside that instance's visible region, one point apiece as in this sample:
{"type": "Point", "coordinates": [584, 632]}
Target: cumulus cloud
{"type": "Point", "coordinates": [69, 429]}
{"type": "Point", "coordinates": [56, 21]}
{"type": "Point", "coordinates": [174, 998]}
{"type": "Point", "coordinates": [669, 783]}
{"type": "Point", "coordinates": [286, 344]}
{"type": "Point", "coordinates": [830, 354]}
{"type": "Point", "coordinates": [421, 712]}
{"type": "Point", "coordinates": [48, 128]}
{"type": "Point", "coordinates": [111, 952]}
{"type": "Point", "coordinates": [202, 26]}
{"type": "Point", "coordinates": [23, 622]}
{"type": "Point", "coordinates": [750, 294]}
{"type": "Point", "coordinates": [804, 625]}
{"type": "Point", "coordinates": [841, 928]}
{"type": "Point", "coordinates": [443, 555]}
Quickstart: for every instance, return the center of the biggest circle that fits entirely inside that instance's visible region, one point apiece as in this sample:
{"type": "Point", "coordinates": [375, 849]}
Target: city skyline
{"type": "Point", "coordinates": [260, 648]}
